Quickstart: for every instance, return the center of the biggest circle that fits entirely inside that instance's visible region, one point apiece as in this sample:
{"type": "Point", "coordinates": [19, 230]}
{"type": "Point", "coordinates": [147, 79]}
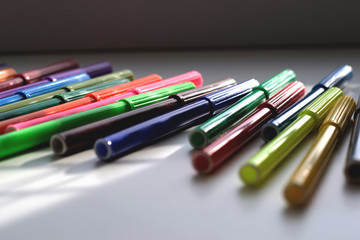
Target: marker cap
{"type": "Point", "coordinates": [273, 84]}
{"type": "Point", "coordinates": [220, 99]}
{"type": "Point", "coordinates": [285, 98]}
{"type": "Point", "coordinates": [6, 73]}
{"type": "Point", "coordinates": [336, 78]}
{"type": "Point", "coordinates": [192, 95]}
{"type": "Point", "coordinates": [37, 74]}
{"type": "Point", "coordinates": [193, 76]}
{"type": "Point", "coordinates": [116, 90]}
{"type": "Point", "coordinates": [73, 95]}
{"type": "Point", "coordinates": [319, 109]}
{"type": "Point", "coordinates": [92, 70]}
{"type": "Point", "coordinates": [52, 86]}
{"type": "Point", "coordinates": [352, 166]}
{"type": "Point", "coordinates": [126, 73]}
{"type": "Point", "coordinates": [153, 96]}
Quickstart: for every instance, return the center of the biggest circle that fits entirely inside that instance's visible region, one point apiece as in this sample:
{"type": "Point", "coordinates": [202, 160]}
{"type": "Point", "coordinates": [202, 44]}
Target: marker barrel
{"type": "Point", "coordinates": [56, 100]}
{"type": "Point", "coordinates": [352, 165]}
{"type": "Point", "coordinates": [208, 131]}
{"type": "Point", "coordinates": [125, 141]}
{"type": "Point", "coordinates": [263, 162]}
{"type": "Point", "coordinates": [85, 136]}
{"type": "Point", "coordinates": [336, 78]}
{"type": "Point", "coordinates": [36, 74]}
{"type": "Point", "coordinates": [44, 88]}
{"type": "Point", "coordinates": [41, 133]}
{"type": "Point", "coordinates": [6, 74]}
{"type": "Point", "coordinates": [135, 87]}
{"type": "Point", "coordinates": [74, 104]}
{"type": "Point", "coordinates": [97, 80]}
{"type": "Point", "coordinates": [210, 157]}
{"type": "Point", "coordinates": [92, 70]}
{"type": "Point", "coordinates": [304, 180]}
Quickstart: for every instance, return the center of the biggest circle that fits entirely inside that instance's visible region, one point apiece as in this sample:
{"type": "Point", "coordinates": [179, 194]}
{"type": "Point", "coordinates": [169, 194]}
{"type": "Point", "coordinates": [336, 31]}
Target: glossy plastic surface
{"type": "Point", "coordinates": [264, 161]}
{"type": "Point", "coordinates": [57, 100]}
{"type": "Point", "coordinates": [26, 138]}
{"type": "Point", "coordinates": [105, 78]}
{"type": "Point", "coordinates": [306, 177]}
{"type": "Point", "coordinates": [337, 78]}
{"type": "Point", "coordinates": [352, 165]}
{"type": "Point", "coordinates": [127, 140]}
{"type": "Point", "coordinates": [213, 155]}
{"type": "Point", "coordinates": [84, 137]}
{"type": "Point", "coordinates": [214, 127]}
{"type": "Point", "coordinates": [36, 74]}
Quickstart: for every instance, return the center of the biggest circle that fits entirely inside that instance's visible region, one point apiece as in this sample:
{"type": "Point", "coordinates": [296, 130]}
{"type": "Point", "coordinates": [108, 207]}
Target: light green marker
{"type": "Point", "coordinates": [264, 161]}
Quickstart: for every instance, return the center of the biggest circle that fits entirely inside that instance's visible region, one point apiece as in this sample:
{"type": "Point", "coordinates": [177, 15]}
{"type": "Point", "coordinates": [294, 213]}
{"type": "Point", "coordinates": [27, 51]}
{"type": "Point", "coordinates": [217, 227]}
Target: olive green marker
{"type": "Point", "coordinates": [264, 161]}
{"type": "Point", "coordinates": [126, 73]}
{"type": "Point", "coordinates": [14, 142]}
{"type": "Point", "coordinates": [205, 133]}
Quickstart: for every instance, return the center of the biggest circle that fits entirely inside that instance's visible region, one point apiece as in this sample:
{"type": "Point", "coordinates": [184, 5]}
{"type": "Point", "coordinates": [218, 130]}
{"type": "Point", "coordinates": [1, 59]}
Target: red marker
{"type": "Point", "coordinates": [210, 157]}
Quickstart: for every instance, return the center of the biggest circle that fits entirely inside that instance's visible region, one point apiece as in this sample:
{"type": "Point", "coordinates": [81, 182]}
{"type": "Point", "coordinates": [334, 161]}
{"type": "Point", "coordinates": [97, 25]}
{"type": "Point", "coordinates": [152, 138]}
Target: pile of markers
{"type": "Point", "coordinates": [75, 109]}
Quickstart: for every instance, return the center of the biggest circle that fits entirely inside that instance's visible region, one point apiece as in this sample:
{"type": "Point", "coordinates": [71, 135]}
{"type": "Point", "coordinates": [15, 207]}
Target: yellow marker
{"type": "Point", "coordinates": [305, 178]}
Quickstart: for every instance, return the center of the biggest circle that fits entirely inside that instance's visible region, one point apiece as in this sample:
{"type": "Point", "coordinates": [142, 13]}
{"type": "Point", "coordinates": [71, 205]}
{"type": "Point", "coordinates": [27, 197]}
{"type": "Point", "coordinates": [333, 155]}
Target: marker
{"type": "Point", "coordinates": [142, 134]}
{"type": "Point", "coordinates": [3, 66]}
{"type": "Point", "coordinates": [57, 109]}
{"type": "Point", "coordinates": [307, 175]}
{"type": "Point", "coordinates": [56, 100]}
{"type": "Point", "coordinates": [126, 73]}
{"type": "Point", "coordinates": [7, 73]}
{"type": "Point", "coordinates": [352, 165]}
{"type": "Point", "coordinates": [32, 136]}
{"type": "Point", "coordinates": [264, 161]}
{"type": "Point", "coordinates": [335, 79]}
{"type": "Point", "coordinates": [208, 131]}
{"type": "Point", "coordinates": [129, 89]}
{"type": "Point", "coordinates": [84, 137]}
{"type": "Point", "coordinates": [213, 155]}
{"type": "Point", "coordinates": [52, 86]}
{"type": "Point", "coordinates": [36, 74]}
{"type": "Point", "coordinates": [92, 70]}
{"type": "Point", "coordinates": [43, 88]}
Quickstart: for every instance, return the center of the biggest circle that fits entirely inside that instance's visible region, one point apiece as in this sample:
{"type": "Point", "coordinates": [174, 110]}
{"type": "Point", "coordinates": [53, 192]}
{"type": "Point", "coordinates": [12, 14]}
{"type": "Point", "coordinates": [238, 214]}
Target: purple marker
{"type": "Point", "coordinates": [93, 70]}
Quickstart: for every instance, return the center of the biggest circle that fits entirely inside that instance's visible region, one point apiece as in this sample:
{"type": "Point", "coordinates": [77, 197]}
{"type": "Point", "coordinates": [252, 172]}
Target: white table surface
{"type": "Point", "coordinates": [154, 193]}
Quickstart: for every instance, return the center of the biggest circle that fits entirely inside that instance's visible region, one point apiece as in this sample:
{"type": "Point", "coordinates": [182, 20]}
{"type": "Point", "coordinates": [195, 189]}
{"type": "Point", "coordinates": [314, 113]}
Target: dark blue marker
{"type": "Point", "coordinates": [335, 79]}
{"type": "Point", "coordinates": [43, 88]}
{"type": "Point", "coordinates": [140, 135]}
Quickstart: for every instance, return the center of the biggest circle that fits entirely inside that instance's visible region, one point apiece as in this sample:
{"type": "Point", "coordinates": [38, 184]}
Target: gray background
{"type": "Point", "coordinates": [154, 193]}
{"type": "Point", "coordinates": [110, 24]}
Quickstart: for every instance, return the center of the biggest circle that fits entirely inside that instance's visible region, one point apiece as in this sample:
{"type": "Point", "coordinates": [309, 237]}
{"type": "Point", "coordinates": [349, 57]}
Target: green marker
{"type": "Point", "coordinates": [126, 73]}
{"type": "Point", "coordinates": [264, 161]}
{"type": "Point", "coordinates": [59, 99]}
{"type": "Point", "coordinates": [14, 142]}
{"type": "Point", "coordinates": [205, 133]}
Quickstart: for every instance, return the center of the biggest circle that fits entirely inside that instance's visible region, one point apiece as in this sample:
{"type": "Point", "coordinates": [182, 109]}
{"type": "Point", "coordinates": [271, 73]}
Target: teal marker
{"type": "Point", "coordinates": [59, 99]}
{"type": "Point", "coordinates": [207, 132]}
{"type": "Point", "coordinates": [17, 141]}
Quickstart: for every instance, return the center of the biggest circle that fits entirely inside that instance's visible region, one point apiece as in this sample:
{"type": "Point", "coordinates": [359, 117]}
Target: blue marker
{"type": "Point", "coordinates": [44, 88]}
{"type": "Point", "coordinates": [140, 135]}
{"type": "Point", "coordinates": [92, 70]}
{"type": "Point", "coordinates": [335, 79]}
{"type": "Point", "coordinates": [3, 66]}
